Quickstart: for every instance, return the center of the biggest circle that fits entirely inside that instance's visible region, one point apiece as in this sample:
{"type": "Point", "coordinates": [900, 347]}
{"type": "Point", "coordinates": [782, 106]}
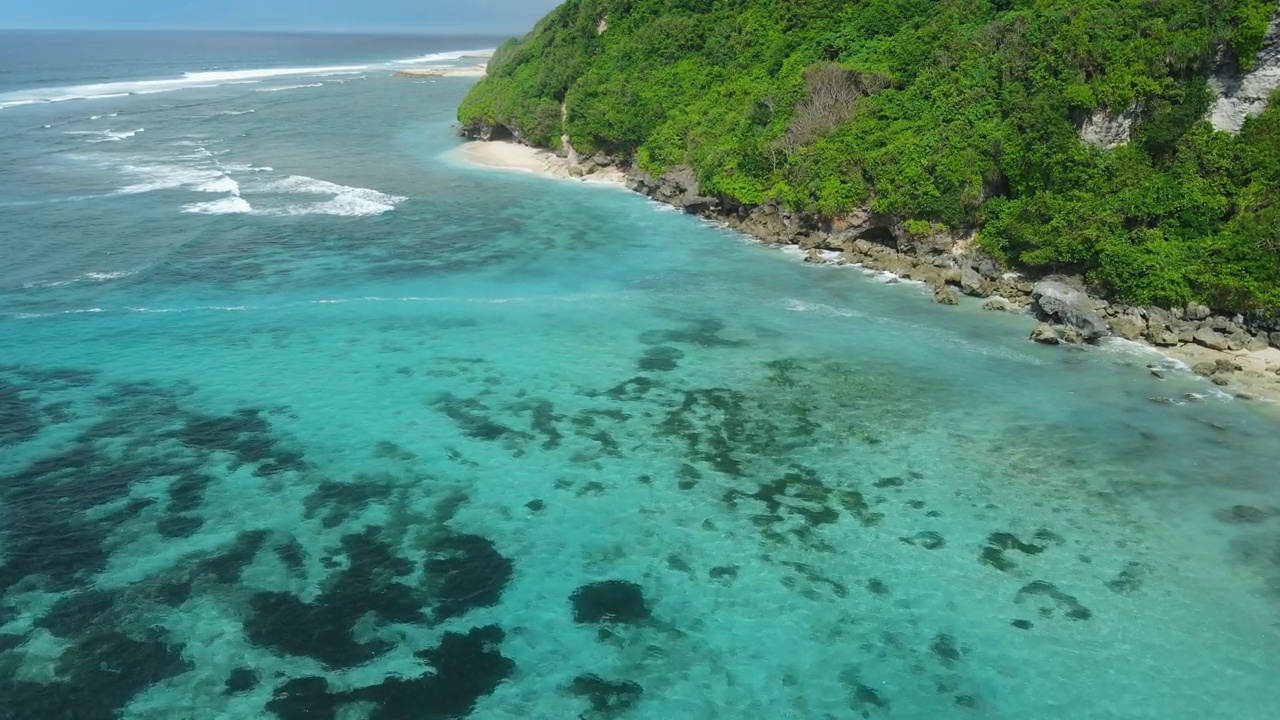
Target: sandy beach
{"type": "Point", "coordinates": [514, 157]}
{"type": "Point", "coordinates": [471, 71]}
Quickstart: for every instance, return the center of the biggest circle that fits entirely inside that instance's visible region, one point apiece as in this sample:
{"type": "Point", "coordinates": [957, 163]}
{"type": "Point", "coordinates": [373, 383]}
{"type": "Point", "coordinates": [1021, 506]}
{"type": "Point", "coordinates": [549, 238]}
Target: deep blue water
{"type": "Point", "coordinates": [301, 418]}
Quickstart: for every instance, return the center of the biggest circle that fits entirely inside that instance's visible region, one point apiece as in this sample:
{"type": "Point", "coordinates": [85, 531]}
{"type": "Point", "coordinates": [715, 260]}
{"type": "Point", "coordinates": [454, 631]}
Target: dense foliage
{"type": "Point", "coordinates": [959, 112]}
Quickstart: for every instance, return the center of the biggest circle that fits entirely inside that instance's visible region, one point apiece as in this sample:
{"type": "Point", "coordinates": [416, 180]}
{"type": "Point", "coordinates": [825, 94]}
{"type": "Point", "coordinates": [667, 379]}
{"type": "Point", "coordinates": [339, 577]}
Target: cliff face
{"type": "Point", "coordinates": [987, 120]}
{"type": "Point", "coordinates": [1106, 131]}
{"type": "Point", "coordinates": [1237, 96]}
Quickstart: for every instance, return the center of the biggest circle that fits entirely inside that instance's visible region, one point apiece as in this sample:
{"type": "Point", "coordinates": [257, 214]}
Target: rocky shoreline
{"type": "Point", "coordinates": [1240, 354]}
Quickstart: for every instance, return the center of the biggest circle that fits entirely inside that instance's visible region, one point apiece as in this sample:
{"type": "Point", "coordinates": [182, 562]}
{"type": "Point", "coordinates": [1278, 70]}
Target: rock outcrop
{"type": "Point", "coordinates": [1129, 326]}
{"type": "Point", "coordinates": [1238, 97]}
{"type": "Point", "coordinates": [1070, 307]}
{"type": "Point", "coordinates": [1104, 130]}
{"type": "Point", "coordinates": [677, 187]}
{"type": "Point", "coordinates": [1044, 333]}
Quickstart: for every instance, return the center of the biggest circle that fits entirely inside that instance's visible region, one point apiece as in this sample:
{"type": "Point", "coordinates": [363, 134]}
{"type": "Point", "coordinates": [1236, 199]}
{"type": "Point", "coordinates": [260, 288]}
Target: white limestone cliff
{"type": "Point", "coordinates": [1241, 96]}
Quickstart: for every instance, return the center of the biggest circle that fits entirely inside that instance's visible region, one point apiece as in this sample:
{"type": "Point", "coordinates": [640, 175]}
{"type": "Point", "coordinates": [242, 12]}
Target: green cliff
{"type": "Point", "coordinates": [1071, 135]}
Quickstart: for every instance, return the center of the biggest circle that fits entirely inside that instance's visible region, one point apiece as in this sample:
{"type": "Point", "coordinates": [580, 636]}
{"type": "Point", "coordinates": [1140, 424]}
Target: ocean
{"type": "Point", "coordinates": [301, 417]}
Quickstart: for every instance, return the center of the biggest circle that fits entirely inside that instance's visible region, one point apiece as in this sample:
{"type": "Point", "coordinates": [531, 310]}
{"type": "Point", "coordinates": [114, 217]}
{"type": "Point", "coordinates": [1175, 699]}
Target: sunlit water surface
{"type": "Point", "coordinates": [298, 418]}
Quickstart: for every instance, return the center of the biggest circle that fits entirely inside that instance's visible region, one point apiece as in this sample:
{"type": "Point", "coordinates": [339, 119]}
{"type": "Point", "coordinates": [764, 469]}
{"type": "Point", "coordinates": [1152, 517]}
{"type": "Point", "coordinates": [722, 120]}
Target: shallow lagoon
{"type": "Point", "coordinates": [539, 449]}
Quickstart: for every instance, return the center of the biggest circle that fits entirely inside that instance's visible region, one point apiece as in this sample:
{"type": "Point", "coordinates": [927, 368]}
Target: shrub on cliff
{"type": "Point", "coordinates": [961, 112]}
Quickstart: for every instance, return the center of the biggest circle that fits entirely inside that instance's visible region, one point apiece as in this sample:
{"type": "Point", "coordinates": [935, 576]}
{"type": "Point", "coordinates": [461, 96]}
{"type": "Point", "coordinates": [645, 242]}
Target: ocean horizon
{"type": "Point", "coordinates": [302, 416]}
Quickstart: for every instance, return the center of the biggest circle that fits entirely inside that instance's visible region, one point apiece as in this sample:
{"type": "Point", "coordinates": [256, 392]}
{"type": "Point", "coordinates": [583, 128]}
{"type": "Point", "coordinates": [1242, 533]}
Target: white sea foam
{"type": "Point", "coordinates": [887, 277]}
{"type": "Point", "coordinates": [230, 205]}
{"type": "Point", "coordinates": [105, 276]}
{"type": "Point", "coordinates": [107, 135]}
{"type": "Point", "coordinates": [166, 177]}
{"type": "Point", "coordinates": [359, 202]}
{"type": "Point", "coordinates": [223, 184]}
{"type": "Point", "coordinates": [211, 79]}
{"type": "Point", "coordinates": [146, 87]}
{"type": "Point", "coordinates": [236, 112]}
{"type": "Point", "coordinates": [347, 201]}
{"type": "Point", "coordinates": [289, 87]}
{"type": "Point", "coordinates": [249, 188]}
{"type": "Point", "coordinates": [246, 167]}
{"type": "Point", "coordinates": [1141, 351]}
{"type": "Point", "coordinates": [129, 309]}
{"type": "Point", "coordinates": [447, 56]}
{"type": "Point", "coordinates": [795, 305]}
{"type": "Point", "coordinates": [94, 277]}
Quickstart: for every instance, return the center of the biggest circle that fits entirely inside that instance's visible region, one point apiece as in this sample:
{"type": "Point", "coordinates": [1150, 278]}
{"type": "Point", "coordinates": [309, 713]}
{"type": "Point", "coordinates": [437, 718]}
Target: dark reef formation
{"type": "Point", "coordinates": [615, 601]}
{"type": "Point", "coordinates": [465, 668]}
{"type": "Point", "coordinates": [145, 463]}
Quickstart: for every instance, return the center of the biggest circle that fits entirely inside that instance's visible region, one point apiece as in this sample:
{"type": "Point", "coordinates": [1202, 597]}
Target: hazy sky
{"type": "Point", "coordinates": [497, 16]}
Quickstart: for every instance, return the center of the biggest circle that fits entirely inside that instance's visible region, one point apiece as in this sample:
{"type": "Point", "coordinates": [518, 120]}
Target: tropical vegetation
{"type": "Point", "coordinates": [963, 113]}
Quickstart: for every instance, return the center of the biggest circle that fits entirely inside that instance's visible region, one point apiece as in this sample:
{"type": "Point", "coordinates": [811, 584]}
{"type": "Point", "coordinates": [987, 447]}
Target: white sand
{"type": "Point", "coordinates": [514, 157]}
{"type": "Point", "coordinates": [438, 72]}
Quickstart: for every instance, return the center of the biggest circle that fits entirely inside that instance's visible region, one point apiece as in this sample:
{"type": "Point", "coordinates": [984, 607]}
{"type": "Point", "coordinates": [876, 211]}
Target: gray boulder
{"type": "Point", "coordinates": [1071, 335]}
{"type": "Point", "coordinates": [987, 266]}
{"type": "Point", "coordinates": [1258, 342]}
{"type": "Point", "coordinates": [946, 296]}
{"type": "Point", "coordinates": [1275, 339]}
{"type": "Point", "coordinates": [678, 186]}
{"type": "Point", "coordinates": [1129, 327]}
{"type": "Point", "coordinates": [1186, 333]}
{"type": "Point", "coordinates": [1210, 338]}
{"type": "Point", "coordinates": [1197, 313]}
{"type": "Point", "coordinates": [1001, 305]}
{"type": "Point", "coordinates": [1204, 369]}
{"type": "Point", "coordinates": [1224, 365]}
{"type": "Point", "coordinates": [1163, 336]}
{"type": "Point", "coordinates": [972, 283]}
{"type": "Point", "coordinates": [1071, 307]}
{"type": "Point", "coordinates": [1044, 333]}
{"type": "Point", "coordinates": [927, 274]}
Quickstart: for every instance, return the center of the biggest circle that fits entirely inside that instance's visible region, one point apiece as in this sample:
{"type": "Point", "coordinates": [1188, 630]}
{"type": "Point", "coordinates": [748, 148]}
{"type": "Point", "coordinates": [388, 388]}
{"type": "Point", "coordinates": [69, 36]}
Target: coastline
{"type": "Point", "coordinates": [1248, 374]}
{"type": "Point", "coordinates": [515, 157]}
{"type": "Point", "coordinates": [1217, 348]}
{"type": "Point", "coordinates": [463, 71]}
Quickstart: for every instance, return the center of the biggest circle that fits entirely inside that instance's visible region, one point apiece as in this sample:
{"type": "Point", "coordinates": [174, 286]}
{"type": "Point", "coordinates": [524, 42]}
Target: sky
{"type": "Point", "coordinates": [427, 16]}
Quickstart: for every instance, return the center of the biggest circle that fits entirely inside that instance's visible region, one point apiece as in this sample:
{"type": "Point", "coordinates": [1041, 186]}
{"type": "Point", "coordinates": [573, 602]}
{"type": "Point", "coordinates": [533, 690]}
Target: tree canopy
{"type": "Point", "coordinates": [965, 113]}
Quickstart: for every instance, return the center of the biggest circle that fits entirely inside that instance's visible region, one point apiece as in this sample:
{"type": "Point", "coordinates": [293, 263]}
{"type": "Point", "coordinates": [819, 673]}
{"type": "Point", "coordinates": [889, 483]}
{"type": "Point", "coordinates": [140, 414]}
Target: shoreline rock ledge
{"type": "Point", "coordinates": [1057, 301]}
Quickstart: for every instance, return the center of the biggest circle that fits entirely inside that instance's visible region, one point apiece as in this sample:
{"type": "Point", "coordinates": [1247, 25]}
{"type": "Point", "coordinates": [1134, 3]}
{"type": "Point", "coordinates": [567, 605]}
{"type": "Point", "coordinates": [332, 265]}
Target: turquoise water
{"type": "Point", "coordinates": [300, 418]}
